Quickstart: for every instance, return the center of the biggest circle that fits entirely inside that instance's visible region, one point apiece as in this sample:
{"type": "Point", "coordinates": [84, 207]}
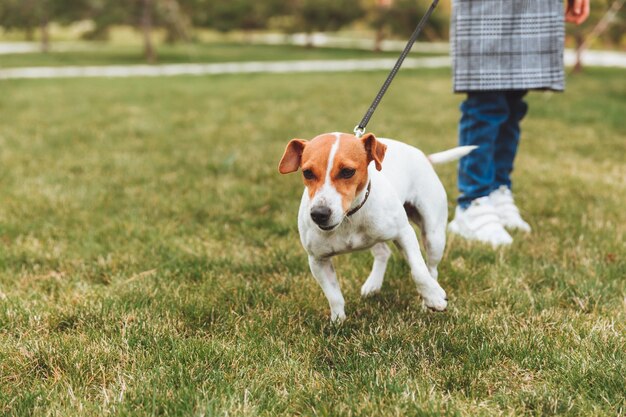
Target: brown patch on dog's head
{"type": "Point", "coordinates": [347, 174]}
{"type": "Point", "coordinates": [315, 162]}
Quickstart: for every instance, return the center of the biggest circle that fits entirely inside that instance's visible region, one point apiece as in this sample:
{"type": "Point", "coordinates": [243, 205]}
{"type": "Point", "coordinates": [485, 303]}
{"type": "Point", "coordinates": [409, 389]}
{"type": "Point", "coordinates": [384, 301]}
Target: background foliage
{"type": "Point", "coordinates": [179, 18]}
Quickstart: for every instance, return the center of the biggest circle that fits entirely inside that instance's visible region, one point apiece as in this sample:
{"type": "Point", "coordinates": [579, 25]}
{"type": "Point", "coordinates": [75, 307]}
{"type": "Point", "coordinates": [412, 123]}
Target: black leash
{"type": "Point", "coordinates": [360, 128]}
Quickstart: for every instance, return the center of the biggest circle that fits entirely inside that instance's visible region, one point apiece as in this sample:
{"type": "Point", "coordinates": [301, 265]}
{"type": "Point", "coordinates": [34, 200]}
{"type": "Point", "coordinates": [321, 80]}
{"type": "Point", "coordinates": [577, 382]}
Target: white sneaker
{"type": "Point", "coordinates": [502, 200]}
{"type": "Point", "coordinates": [480, 222]}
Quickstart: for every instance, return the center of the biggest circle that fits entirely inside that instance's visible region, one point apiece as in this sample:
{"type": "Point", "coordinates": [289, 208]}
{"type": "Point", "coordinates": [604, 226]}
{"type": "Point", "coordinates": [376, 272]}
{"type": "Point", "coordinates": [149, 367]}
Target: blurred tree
{"type": "Point", "coordinates": [144, 15]}
{"type": "Point", "coordinates": [378, 17]}
{"type": "Point", "coordinates": [238, 14]}
{"type": "Point", "coordinates": [246, 15]}
{"type": "Point", "coordinates": [284, 17]}
{"type": "Point", "coordinates": [137, 13]}
{"type": "Point", "coordinates": [178, 17]}
{"type": "Point", "coordinates": [106, 13]}
{"type": "Point", "coordinates": [326, 15]}
{"type": "Point", "coordinates": [175, 16]}
{"type": "Point", "coordinates": [17, 14]}
{"type": "Point", "coordinates": [614, 31]}
{"type": "Point", "coordinates": [147, 11]}
{"type": "Point", "coordinates": [29, 14]}
{"type": "Point", "coordinates": [200, 12]}
{"type": "Point", "coordinates": [405, 14]}
{"type": "Point", "coordinates": [605, 22]}
{"type": "Point", "coordinates": [175, 20]}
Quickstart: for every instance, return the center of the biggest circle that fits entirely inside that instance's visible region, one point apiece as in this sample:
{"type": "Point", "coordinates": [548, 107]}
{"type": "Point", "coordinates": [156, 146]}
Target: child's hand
{"type": "Point", "coordinates": [577, 11]}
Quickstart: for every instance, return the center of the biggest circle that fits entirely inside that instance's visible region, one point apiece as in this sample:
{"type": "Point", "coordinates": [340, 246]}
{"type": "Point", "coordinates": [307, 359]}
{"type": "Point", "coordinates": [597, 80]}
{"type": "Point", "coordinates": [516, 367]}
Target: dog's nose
{"type": "Point", "coordinates": [320, 214]}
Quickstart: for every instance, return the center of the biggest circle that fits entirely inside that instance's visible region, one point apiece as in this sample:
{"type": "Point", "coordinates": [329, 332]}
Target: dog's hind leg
{"type": "Point", "coordinates": [433, 295]}
{"type": "Point", "coordinates": [374, 282]}
{"type": "Point", "coordinates": [433, 229]}
{"type": "Point", "coordinates": [324, 273]}
{"type": "Point", "coordinates": [434, 238]}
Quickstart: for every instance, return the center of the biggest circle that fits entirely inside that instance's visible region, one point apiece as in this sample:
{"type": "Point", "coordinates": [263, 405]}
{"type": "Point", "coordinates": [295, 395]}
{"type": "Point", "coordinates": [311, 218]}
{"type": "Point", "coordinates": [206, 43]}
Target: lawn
{"type": "Point", "coordinates": [150, 262]}
{"type": "Point", "coordinates": [103, 53]}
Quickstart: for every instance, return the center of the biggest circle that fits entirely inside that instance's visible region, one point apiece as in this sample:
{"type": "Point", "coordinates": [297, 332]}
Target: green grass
{"type": "Point", "coordinates": [101, 53]}
{"type": "Point", "coordinates": [150, 262]}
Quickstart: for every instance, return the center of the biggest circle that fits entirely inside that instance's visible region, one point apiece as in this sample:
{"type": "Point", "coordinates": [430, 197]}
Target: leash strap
{"type": "Point", "coordinates": [360, 128]}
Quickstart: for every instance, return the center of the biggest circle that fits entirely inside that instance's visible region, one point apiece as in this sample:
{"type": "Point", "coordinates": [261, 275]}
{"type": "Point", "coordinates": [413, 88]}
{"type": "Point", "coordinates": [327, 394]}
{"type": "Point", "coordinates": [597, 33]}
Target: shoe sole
{"type": "Point", "coordinates": [510, 226]}
{"type": "Point", "coordinates": [454, 229]}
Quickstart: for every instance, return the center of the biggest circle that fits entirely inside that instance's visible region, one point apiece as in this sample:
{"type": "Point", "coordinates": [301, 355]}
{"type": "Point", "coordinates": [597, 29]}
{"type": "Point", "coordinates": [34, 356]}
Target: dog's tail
{"type": "Point", "coordinates": [450, 155]}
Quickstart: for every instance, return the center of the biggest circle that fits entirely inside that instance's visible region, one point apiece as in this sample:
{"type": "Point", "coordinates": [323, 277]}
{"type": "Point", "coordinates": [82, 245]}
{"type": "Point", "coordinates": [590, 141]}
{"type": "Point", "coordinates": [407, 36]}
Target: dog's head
{"type": "Point", "coordinates": [334, 168]}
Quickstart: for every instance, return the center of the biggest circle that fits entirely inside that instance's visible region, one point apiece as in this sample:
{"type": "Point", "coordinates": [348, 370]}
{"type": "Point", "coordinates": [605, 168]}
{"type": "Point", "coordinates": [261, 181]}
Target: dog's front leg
{"type": "Point", "coordinates": [324, 273]}
{"type": "Point", "coordinates": [374, 282]}
{"type": "Point", "coordinates": [434, 296]}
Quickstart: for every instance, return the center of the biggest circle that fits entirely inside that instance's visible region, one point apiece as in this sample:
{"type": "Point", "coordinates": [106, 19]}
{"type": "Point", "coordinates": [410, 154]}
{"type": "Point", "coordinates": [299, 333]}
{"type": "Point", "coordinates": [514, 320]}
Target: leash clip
{"type": "Point", "coordinates": [358, 131]}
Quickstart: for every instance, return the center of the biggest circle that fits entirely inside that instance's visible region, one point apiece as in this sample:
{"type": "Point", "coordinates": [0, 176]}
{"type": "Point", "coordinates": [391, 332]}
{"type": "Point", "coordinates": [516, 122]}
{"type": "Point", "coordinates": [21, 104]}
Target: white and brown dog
{"type": "Point", "coordinates": [350, 204]}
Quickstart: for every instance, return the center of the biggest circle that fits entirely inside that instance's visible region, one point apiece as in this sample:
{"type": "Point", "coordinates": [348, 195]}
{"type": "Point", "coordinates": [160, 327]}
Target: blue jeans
{"type": "Point", "coordinates": [490, 120]}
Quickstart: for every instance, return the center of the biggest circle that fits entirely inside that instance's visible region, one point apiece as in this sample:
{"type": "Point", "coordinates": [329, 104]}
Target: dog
{"type": "Point", "coordinates": [361, 193]}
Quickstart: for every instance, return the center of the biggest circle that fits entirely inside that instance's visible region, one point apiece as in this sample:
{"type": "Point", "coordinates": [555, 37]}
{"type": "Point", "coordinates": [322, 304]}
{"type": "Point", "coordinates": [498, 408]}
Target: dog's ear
{"type": "Point", "coordinates": [292, 157]}
{"type": "Point", "coordinates": [375, 150]}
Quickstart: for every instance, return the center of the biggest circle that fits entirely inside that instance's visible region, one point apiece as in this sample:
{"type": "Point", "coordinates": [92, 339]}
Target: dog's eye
{"type": "Point", "coordinates": [347, 173]}
{"type": "Point", "coordinates": [308, 174]}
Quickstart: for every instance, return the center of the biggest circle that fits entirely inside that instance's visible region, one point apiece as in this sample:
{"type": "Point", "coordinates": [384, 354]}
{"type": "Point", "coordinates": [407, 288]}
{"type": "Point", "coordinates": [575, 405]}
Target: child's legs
{"type": "Point", "coordinates": [483, 114]}
{"type": "Point", "coordinates": [508, 138]}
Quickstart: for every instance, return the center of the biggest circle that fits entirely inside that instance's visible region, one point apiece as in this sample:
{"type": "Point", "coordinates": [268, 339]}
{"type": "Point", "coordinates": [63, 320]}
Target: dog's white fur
{"type": "Point", "coordinates": [407, 177]}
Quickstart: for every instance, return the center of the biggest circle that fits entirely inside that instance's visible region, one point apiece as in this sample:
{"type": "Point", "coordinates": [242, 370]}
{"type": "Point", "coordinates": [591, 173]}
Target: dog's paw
{"type": "Point", "coordinates": [435, 298]}
{"type": "Point", "coordinates": [337, 317]}
{"type": "Point", "coordinates": [371, 287]}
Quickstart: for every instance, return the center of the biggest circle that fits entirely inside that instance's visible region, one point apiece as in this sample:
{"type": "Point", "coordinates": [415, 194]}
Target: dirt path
{"type": "Point", "coordinates": [222, 68]}
{"type": "Point", "coordinates": [590, 58]}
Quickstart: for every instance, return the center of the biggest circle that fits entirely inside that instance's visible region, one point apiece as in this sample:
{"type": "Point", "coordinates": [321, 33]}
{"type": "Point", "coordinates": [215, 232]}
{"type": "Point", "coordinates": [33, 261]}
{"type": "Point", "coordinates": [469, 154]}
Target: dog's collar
{"type": "Point", "coordinates": [367, 194]}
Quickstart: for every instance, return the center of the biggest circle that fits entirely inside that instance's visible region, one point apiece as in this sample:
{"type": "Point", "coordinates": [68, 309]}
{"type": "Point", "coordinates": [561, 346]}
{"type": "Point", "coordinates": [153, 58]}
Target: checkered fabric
{"type": "Point", "coordinates": [507, 44]}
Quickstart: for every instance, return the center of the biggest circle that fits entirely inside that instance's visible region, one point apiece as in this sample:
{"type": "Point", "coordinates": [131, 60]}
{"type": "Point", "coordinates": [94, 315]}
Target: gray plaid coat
{"type": "Point", "coordinates": [507, 44]}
